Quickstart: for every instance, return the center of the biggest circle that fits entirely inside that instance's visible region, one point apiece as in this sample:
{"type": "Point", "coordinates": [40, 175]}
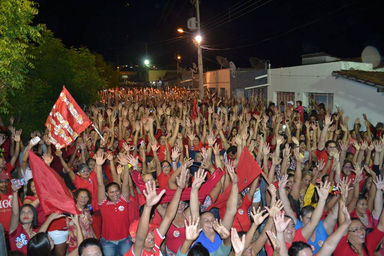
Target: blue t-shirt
{"type": "Point", "coordinates": [211, 247]}
{"type": "Point", "coordinates": [321, 235]}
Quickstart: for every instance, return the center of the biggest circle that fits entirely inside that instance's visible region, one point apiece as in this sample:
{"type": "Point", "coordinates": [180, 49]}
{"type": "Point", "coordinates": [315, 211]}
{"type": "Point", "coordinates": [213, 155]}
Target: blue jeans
{"type": "Point", "coordinates": [115, 248]}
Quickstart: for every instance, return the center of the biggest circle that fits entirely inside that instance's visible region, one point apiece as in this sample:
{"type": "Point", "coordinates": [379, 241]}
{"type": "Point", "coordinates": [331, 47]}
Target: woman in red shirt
{"type": "Point", "coordinates": [32, 199]}
{"type": "Point", "coordinates": [114, 206]}
{"type": "Point", "coordinates": [23, 223]}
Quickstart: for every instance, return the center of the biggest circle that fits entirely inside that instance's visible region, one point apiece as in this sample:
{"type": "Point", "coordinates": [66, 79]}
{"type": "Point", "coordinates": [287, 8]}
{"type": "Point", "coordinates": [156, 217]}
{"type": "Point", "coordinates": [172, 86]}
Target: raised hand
{"type": "Point", "coordinates": [17, 137]}
{"type": "Point", "coordinates": [320, 165]}
{"type": "Point", "coordinates": [199, 178]}
{"type": "Point", "coordinates": [276, 207]}
{"type": "Point", "coordinates": [122, 159]}
{"type": "Point", "coordinates": [283, 182]}
{"type": "Point", "coordinates": [272, 190]}
{"type": "Point", "coordinates": [258, 216]}
{"type": "Point", "coordinates": [266, 148]}
{"type": "Point", "coordinates": [221, 230]}
{"type": "Point", "coordinates": [100, 158]}
{"type": "Point", "coordinates": [155, 147]}
{"type": "Point", "coordinates": [379, 182]}
{"type": "Point", "coordinates": [191, 228]}
{"type": "Point", "coordinates": [280, 223]}
{"type": "Point", "coordinates": [132, 160]}
{"type": "Point", "coordinates": [231, 172]}
{"type": "Point", "coordinates": [181, 180]}
{"type": "Point", "coordinates": [211, 140]}
{"type": "Point", "coordinates": [323, 190]}
{"type": "Point", "coordinates": [175, 153]}
{"type": "Point", "coordinates": [152, 198]}
{"type": "Point", "coordinates": [237, 243]}
{"type": "Point", "coordinates": [287, 151]}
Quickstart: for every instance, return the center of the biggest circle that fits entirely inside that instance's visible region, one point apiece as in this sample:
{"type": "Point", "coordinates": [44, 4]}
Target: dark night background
{"type": "Point", "coordinates": [277, 30]}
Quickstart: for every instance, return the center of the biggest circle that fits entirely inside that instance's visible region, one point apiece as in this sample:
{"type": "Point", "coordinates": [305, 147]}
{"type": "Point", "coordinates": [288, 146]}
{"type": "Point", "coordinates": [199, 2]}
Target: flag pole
{"type": "Point", "coordinates": [94, 127]}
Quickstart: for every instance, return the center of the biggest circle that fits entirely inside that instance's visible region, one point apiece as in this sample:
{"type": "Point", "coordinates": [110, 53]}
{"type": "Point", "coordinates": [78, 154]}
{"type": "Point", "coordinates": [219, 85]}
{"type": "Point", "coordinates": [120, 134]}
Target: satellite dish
{"type": "Point", "coordinates": [232, 67]}
{"type": "Point", "coordinates": [256, 63]}
{"type": "Point", "coordinates": [223, 62]}
{"type": "Point", "coordinates": [192, 24]}
{"type": "Point", "coordinates": [371, 55]}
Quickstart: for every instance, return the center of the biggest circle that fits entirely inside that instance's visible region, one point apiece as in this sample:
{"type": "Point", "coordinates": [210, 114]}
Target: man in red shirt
{"type": "Point", "coordinates": [5, 202]}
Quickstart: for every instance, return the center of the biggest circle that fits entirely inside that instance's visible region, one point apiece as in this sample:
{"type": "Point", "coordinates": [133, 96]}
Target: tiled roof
{"type": "Point", "coordinates": [375, 79]}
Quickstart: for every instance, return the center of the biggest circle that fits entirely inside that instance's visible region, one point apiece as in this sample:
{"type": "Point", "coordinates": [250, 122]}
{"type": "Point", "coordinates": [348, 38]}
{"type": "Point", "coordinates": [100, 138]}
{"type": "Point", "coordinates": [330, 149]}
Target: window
{"type": "Point", "coordinates": [325, 98]}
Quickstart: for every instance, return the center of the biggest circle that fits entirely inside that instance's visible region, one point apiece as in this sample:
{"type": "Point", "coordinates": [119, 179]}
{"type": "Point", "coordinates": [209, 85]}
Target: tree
{"type": "Point", "coordinates": [16, 35]}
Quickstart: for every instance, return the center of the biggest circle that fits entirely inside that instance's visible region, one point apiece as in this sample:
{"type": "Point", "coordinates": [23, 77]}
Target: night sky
{"type": "Point", "coordinates": [274, 30]}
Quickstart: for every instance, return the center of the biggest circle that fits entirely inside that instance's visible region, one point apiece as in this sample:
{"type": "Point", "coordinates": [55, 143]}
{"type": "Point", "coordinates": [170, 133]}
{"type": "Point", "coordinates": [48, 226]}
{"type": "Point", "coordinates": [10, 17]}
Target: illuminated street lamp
{"type": "Point", "coordinates": [180, 30]}
{"type": "Point", "coordinates": [146, 62]}
{"type": "Point", "coordinates": [178, 57]}
{"type": "Point", "coordinates": [198, 39]}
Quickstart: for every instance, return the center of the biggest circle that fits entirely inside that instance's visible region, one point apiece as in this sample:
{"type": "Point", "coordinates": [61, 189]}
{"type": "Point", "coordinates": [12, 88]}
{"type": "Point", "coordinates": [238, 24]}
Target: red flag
{"type": "Point", "coordinates": [194, 109]}
{"type": "Point", "coordinates": [247, 171]}
{"type": "Point", "coordinates": [66, 120]}
{"type": "Point", "coordinates": [53, 194]}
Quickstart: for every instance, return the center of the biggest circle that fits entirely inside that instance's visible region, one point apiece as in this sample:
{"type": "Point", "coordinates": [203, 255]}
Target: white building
{"type": "Point", "coordinates": [353, 86]}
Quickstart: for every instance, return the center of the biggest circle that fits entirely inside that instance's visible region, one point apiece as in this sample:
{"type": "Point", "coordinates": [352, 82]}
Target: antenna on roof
{"type": "Point", "coordinates": [371, 55]}
{"type": "Point", "coordinates": [232, 67]}
{"type": "Point", "coordinates": [223, 62]}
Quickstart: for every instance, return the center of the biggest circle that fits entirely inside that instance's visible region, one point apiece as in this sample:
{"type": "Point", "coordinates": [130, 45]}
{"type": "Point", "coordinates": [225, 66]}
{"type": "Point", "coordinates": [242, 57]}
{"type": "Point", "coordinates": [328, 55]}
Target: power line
{"type": "Point", "coordinates": [238, 14]}
{"type": "Point", "coordinates": [224, 13]}
{"type": "Point", "coordinates": [278, 34]}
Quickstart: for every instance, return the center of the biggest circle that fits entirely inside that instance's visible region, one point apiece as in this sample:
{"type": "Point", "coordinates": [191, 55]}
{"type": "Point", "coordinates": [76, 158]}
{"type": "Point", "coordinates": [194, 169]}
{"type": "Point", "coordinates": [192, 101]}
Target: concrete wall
{"type": "Point", "coordinates": [218, 79]}
{"type": "Point", "coordinates": [354, 98]}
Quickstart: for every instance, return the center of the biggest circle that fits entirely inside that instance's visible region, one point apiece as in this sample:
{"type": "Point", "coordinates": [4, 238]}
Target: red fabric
{"type": "Point", "coordinates": [163, 180]}
{"type": "Point", "coordinates": [247, 171]}
{"type": "Point", "coordinates": [175, 238]}
{"type": "Point", "coordinates": [50, 187]}
{"type": "Point", "coordinates": [66, 120]}
{"type": "Point", "coordinates": [369, 215]}
{"type": "Point", "coordinates": [241, 221]}
{"type": "Point", "coordinates": [298, 238]}
{"type": "Point", "coordinates": [5, 210]}
{"type": "Point", "coordinates": [18, 239]}
{"type": "Point", "coordinates": [8, 168]}
{"type": "Point", "coordinates": [372, 240]}
{"type": "Point", "coordinates": [115, 219]}
{"type": "Point", "coordinates": [58, 224]}
{"type": "Point", "coordinates": [205, 189]}
{"type": "Point", "coordinates": [323, 155]}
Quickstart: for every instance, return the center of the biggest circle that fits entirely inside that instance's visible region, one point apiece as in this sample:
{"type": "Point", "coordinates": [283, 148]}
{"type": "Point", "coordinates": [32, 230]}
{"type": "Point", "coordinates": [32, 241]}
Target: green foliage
{"type": "Point", "coordinates": [16, 35]}
{"type": "Point", "coordinates": [54, 66]}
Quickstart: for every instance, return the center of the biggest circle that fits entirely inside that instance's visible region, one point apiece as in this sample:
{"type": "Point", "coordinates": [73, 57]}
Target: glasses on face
{"type": "Point", "coordinates": [165, 166]}
{"type": "Point", "coordinates": [354, 230]}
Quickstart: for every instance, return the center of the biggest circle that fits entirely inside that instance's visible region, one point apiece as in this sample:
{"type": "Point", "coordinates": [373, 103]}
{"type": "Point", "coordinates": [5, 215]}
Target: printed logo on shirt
{"type": "Point", "coordinates": [6, 203]}
{"type": "Point", "coordinates": [21, 241]}
{"type": "Point", "coordinates": [121, 208]}
{"type": "Point", "coordinates": [320, 243]}
{"type": "Point", "coordinates": [241, 211]}
{"type": "Point", "coordinates": [176, 233]}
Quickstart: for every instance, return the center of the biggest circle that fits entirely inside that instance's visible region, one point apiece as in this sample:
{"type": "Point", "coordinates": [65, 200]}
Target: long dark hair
{"type": "Point", "coordinates": [34, 220]}
{"type": "Point", "coordinates": [29, 190]}
{"type": "Point", "coordinates": [39, 245]}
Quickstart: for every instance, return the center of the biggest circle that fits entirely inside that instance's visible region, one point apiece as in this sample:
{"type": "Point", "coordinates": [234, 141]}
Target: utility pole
{"type": "Point", "coordinates": [199, 54]}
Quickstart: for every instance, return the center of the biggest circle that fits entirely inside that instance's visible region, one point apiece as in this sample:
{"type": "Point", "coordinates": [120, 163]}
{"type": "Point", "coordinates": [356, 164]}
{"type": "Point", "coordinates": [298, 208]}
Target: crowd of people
{"type": "Point", "coordinates": [162, 179]}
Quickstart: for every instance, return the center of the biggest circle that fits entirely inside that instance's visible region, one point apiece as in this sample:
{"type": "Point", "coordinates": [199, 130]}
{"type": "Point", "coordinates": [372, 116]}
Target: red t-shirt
{"type": "Point", "coordinates": [18, 239]}
{"type": "Point", "coordinates": [372, 240]}
{"type": "Point", "coordinates": [115, 219]}
{"type": "Point", "coordinates": [8, 168]}
{"type": "Point", "coordinates": [5, 210]}
{"type": "Point", "coordinates": [241, 221]}
{"type": "Point", "coordinates": [163, 180]}
{"type": "Point", "coordinates": [158, 240]}
{"type": "Point", "coordinates": [91, 185]}
{"type": "Point", "coordinates": [298, 238]}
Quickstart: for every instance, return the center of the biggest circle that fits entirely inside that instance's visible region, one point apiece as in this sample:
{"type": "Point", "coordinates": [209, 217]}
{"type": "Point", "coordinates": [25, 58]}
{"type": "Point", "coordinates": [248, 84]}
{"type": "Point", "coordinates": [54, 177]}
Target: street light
{"type": "Point", "coordinates": [198, 39]}
{"type": "Point", "coordinates": [180, 30]}
{"type": "Point", "coordinates": [178, 57]}
{"type": "Point", "coordinates": [146, 62]}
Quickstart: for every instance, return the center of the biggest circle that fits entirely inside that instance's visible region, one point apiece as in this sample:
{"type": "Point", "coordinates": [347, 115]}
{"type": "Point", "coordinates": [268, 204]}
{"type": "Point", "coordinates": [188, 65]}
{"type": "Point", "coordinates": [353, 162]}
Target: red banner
{"type": "Point", "coordinates": [53, 194]}
{"type": "Point", "coordinates": [66, 120]}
